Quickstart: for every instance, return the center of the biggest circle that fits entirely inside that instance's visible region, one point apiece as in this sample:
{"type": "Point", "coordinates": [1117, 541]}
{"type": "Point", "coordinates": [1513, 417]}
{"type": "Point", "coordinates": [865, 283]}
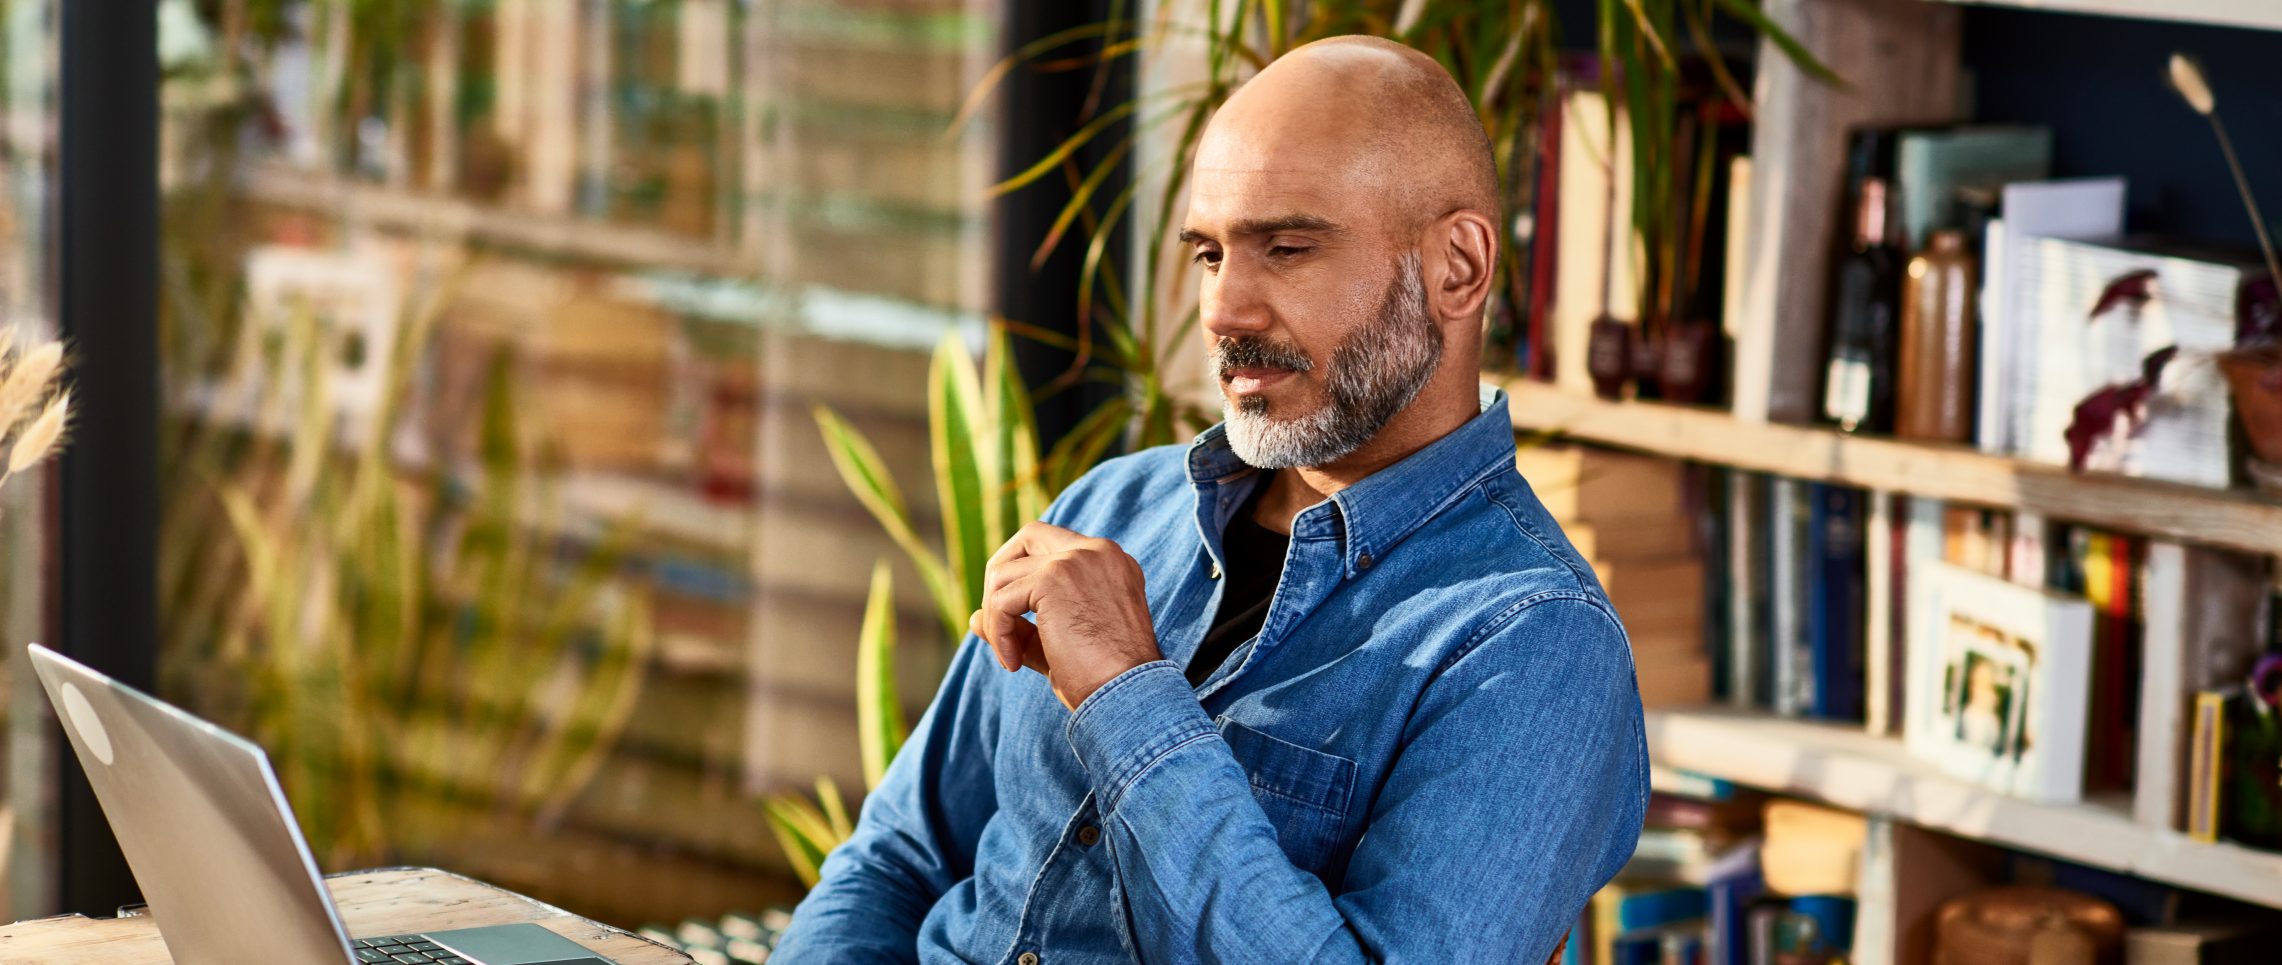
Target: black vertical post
{"type": "Point", "coordinates": [1042, 108]}
{"type": "Point", "coordinates": [107, 219]}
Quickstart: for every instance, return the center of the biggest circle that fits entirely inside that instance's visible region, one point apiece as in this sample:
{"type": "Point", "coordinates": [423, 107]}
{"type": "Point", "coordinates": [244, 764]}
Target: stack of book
{"type": "Point", "coordinates": [1635, 519]}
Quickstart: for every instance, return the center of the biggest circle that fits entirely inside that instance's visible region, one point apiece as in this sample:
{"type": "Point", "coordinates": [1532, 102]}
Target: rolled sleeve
{"type": "Point", "coordinates": [1135, 720]}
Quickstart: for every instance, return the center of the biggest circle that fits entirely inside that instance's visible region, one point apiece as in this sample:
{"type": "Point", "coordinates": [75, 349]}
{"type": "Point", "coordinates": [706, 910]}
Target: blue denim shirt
{"type": "Point", "coordinates": [1431, 752]}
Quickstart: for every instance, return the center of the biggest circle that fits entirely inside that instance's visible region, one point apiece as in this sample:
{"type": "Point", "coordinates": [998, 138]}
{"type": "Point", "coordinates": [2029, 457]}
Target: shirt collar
{"type": "Point", "coordinates": [1376, 513]}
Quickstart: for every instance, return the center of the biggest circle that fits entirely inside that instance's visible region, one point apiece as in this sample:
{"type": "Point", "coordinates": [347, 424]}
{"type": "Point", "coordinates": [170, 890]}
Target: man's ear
{"type": "Point", "coordinates": [1462, 256]}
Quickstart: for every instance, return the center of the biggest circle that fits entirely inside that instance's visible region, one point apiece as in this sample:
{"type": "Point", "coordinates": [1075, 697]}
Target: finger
{"type": "Point", "coordinates": [998, 575]}
{"type": "Point", "coordinates": [1034, 539]}
{"type": "Point", "coordinates": [1010, 636]}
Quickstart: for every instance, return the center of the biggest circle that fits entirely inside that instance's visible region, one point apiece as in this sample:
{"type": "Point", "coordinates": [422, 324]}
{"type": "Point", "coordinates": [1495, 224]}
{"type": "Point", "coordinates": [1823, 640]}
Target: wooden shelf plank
{"type": "Point", "coordinates": [2233, 519]}
{"type": "Point", "coordinates": [1840, 765]}
{"type": "Point", "coordinates": [2256, 14]}
{"type": "Point", "coordinates": [562, 236]}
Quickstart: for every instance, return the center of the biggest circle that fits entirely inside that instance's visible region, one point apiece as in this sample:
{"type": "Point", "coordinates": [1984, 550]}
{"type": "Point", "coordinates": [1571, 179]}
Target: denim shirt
{"type": "Point", "coordinates": [1432, 750]}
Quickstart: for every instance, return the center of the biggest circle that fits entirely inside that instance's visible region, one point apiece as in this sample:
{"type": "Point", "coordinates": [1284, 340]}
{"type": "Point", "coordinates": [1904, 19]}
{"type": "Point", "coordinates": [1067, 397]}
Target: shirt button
{"type": "Point", "coordinates": [1216, 570]}
{"type": "Point", "coordinates": [1028, 958]}
{"type": "Point", "coordinates": [1089, 835]}
{"type": "Point", "coordinates": [1364, 562]}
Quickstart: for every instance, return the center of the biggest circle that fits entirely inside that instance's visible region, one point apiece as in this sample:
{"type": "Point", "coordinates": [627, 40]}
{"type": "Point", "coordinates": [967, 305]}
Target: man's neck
{"type": "Point", "coordinates": [1415, 427]}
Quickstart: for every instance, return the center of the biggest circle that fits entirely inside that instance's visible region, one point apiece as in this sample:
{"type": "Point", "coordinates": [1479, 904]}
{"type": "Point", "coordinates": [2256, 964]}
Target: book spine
{"type": "Point", "coordinates": [1880, 572]}
{"type": "Point", "coordinates": [2205, 766]}
{"type": "Point", "coordinates": [1837, 642]}
{"type": "Point", "coordinates": [1786, 604]}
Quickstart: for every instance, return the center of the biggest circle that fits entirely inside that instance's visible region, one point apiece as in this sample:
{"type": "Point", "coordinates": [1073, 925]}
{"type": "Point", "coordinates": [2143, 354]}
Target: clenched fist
{"type": "Point", "coordinates": [1093, 613]}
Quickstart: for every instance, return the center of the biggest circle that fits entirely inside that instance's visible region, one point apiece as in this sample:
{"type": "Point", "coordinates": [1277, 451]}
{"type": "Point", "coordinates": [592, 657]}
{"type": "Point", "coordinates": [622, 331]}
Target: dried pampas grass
{"type": "Point", "coordinates": [2185, 75]}
{"type": "Point", "coordinates": [29, 379]}
{"type": "Point", "coordinates": [40, 439]}
{"type": "Point", "coordinates": [34, 408]}
{"type": "Point", "coordinates": [2187, 78]}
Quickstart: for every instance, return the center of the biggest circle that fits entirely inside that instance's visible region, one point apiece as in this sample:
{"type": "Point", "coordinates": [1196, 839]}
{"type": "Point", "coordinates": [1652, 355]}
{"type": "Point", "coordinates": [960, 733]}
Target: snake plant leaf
{"type": "Point", "coordinates": [835, 811]}
{"type": "Point", "coordinates": [879, 710]}
{"type": "Point", "coordinates": [956, 419]}
{"type": "Point", "coordinates": [1014, 424]}
{"type": "Point", "coordinates": [802, 832]}
{"type": "Point", "coordinates": [866, 476]}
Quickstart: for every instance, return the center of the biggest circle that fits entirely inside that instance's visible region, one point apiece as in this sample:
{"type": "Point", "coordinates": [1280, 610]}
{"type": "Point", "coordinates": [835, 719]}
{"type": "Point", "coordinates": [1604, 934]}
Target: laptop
{"type": "Point", "coordinates": [213, 844]}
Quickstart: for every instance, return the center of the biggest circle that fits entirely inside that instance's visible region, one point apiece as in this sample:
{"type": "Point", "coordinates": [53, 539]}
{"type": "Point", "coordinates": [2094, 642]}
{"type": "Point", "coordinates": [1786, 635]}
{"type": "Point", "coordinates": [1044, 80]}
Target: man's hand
{"type": "Point", "coordinates": [1093, 613]}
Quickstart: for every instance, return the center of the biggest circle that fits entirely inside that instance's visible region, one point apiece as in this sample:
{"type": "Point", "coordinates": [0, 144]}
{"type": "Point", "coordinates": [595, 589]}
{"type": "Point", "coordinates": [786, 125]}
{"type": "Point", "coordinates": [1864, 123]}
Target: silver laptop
{"type": "Point", "coordinates": [216, 850]}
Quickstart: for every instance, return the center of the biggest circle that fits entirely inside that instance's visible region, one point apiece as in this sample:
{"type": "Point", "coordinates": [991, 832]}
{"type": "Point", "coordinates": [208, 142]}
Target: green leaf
{"type": "Point", "coordinates": [803, 833]}
{"type": "Point", "coordinates": [866, 476]}
{"type": "Point", "coordinates": [955, 418]}
{"type": "Point", "coordinates": [1069, 145]}
{"type": "Point", "coordinates": [1014, 424]}
{"type": "Point", "coordinates": [1748, 11]}
{"type": "Point", "coordinates": [835, 811]}
{"type": "Point", "coordinates": [879, 710]}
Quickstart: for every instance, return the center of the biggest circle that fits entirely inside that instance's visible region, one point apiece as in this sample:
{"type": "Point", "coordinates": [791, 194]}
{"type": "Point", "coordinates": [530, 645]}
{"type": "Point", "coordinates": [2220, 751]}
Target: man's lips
{"type": "Point", "coordinates": [1246, 380]}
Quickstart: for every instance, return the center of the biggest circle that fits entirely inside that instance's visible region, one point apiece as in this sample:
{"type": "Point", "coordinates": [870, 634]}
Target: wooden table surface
{"type": "Point", "coordinates": [389, 901]}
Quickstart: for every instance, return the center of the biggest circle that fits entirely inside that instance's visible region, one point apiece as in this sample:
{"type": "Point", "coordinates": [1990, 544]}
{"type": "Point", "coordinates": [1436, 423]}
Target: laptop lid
{"type": "Point", "coordinates": [203, 822]}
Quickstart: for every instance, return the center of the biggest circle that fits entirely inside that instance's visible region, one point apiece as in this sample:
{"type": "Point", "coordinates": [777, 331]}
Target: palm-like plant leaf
{"type": "Point", "coordinates": [879, 709]}
{"type": "Point", "coordinates": [963, 460]}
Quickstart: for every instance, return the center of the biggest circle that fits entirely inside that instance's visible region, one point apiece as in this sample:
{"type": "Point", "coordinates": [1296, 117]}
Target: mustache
{"type": "Point", "coordinates": [1253, 352]}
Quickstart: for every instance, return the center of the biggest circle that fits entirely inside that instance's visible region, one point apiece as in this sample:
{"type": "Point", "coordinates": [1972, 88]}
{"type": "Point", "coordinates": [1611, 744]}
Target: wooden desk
{"type": "Point", "coordinates": [389, 901]}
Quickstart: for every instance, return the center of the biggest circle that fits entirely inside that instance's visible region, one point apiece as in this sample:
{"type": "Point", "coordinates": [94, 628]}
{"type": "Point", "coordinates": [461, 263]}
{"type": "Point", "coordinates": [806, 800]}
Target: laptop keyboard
{"type": "Point", "coordinates": [404, 949]}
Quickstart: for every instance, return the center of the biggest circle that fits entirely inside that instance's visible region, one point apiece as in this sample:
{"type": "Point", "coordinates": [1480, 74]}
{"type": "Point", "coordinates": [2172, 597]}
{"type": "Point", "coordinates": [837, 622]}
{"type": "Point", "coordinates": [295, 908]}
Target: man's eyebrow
{"type": "Point", "coordinates": [1264, 226]}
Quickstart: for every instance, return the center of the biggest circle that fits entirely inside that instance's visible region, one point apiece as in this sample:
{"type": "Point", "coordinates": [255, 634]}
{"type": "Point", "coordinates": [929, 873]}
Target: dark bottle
{"type": "Point", "coordinates": [1858, 386]}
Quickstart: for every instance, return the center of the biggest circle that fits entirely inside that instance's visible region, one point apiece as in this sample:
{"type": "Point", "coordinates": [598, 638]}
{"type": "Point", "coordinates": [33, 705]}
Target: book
{"type": "Point", "coordinates": [1882, 542]}
{"type": "Point", "coordinates": [1597, 486]}
{"type": "Point", "coordinates": [1835, 613]}
{"type": "Point", "coordinates": [2206, 763]}
{"type": "Point", "coordinates": [1811, 850]}
{"type": "Point", "coordinates": [1730, 885]}
{"type": "Point", "coordinates": [1596, 272]}
{"type": "Point", "coordinates": [2228, 940]}
{"type": "Point", "coordinates": [2098, 321]}
{"type": "Point", "coordinates": [2110, 568]}
{"type": "Point", "coordinates": [1627, 905]}
{"type": "Point", "coordinates": [1931, 166]}
{"type": "Point", "coordinates": [1749, 605]}
{"type": "Point", "coordinates": [1790, 572]}
{"type": "Point", "coordinates": [2080, 208]}
{"type": "Point", "coordinates": [2204, 614]}
{"type": "Point", "coordinates": [1544, 240]}
{"type": "Point", "coordinates": [1922, 542]}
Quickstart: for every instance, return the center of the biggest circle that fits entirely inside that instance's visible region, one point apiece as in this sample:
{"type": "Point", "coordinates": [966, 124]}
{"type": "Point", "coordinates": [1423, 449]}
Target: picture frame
{"type": "Point", "coordinates": [1999, 681]}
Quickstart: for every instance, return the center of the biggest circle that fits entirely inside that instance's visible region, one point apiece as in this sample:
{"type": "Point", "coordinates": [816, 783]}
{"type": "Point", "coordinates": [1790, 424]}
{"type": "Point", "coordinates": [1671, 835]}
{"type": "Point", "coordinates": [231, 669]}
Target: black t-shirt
{"type": "Point", "coordinates": [1255, 557]}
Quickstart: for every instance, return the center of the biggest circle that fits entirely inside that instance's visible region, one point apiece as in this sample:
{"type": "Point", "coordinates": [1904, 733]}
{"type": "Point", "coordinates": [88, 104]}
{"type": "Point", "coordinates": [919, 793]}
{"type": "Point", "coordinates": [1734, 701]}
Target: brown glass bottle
{"type": "Point", "coordinates": [1935, 393]}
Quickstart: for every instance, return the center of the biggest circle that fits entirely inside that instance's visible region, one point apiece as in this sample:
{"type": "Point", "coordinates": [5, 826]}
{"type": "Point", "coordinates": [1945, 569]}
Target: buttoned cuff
{"type": "Point", "coordinates": [1131, 723]}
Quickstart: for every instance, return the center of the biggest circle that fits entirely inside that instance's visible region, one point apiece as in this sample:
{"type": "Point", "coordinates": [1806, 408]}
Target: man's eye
{"type": "Point", "coordinates": [1206, 257]}
{"type": "Point", "coordinates": [1288, 251]}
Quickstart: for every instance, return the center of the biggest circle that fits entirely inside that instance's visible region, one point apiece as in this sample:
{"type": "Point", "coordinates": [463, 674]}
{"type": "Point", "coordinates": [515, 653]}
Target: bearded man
{"type": "Point", "coordinates": [1328, 685]}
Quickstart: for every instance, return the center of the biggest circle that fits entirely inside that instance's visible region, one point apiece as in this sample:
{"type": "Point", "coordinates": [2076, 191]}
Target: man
{"type": "Point", "coordinates": [1328, 685]}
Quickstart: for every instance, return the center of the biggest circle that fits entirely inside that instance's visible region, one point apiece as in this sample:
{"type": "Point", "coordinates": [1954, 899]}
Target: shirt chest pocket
{"type": "Point", "coordinates": [1304, 791]}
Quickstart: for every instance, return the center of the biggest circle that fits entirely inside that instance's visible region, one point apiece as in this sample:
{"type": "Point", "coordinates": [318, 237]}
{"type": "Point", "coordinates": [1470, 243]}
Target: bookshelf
{"type": "Point", "coordinates": [2233, 519]}
{"type": "Point", "coordinates": [1840, 765]}
{"type": "Point", "coordinates": [2256, 14]}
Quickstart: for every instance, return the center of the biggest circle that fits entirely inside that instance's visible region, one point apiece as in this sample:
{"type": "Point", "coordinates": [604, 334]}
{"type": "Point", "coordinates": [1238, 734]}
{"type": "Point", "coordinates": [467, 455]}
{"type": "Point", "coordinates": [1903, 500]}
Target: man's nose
{"type": "Point", "coordinates": [1232, 303]}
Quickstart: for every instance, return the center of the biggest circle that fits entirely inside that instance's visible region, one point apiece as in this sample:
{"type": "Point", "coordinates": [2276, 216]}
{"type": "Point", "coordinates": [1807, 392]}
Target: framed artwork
{"type": "Point", "coordinates": [1999, 681]}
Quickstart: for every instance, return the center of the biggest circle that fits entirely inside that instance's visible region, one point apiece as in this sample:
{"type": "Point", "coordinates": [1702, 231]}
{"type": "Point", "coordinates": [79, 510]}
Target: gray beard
{"type": "Point", "coordinates": [1371, 376]}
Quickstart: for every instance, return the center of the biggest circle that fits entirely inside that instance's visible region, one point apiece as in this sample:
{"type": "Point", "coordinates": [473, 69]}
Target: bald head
{"type": "Point", "coordinates": [1384, 118]}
